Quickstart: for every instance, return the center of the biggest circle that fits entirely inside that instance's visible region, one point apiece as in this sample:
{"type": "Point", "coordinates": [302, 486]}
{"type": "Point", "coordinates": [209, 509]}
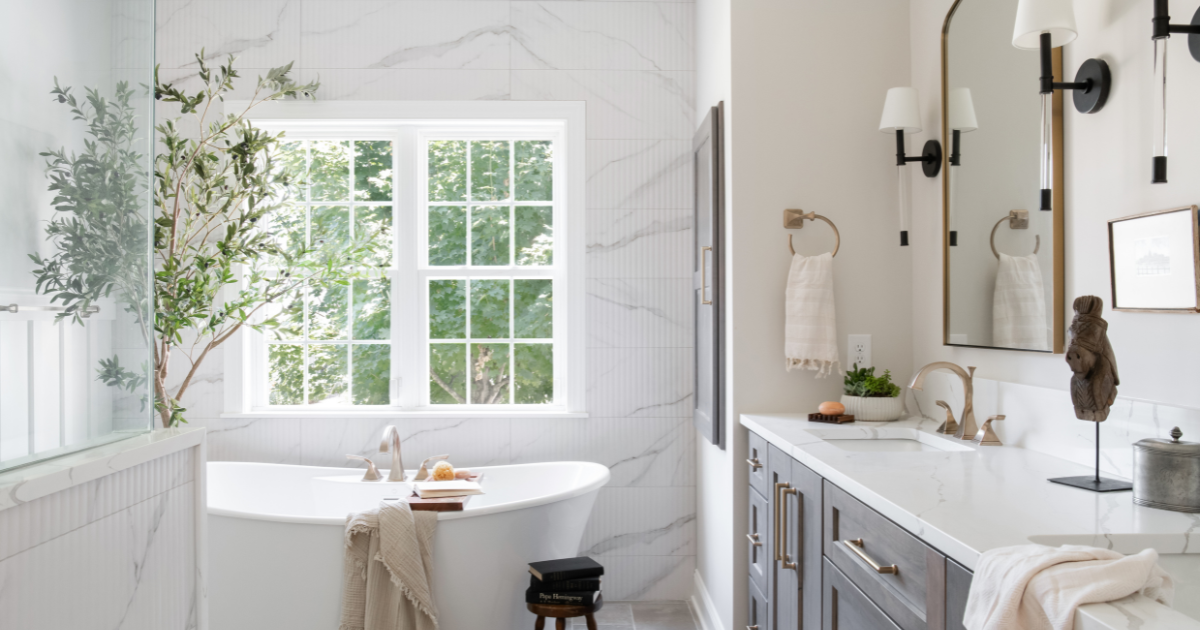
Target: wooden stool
{"type": "Point", "coordinates": [563, 612]}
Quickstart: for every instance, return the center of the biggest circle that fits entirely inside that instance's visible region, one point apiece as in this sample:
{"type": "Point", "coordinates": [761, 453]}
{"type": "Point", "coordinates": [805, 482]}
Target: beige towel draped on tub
{"type": "Point", "coordinates": [387, 581]}
{"type": "Point", "coordinates": [1019, 304]}
{"type": "Point", "coordinates": [810, 329]}
{"type": "Point", "coordinates": [1035, 587]}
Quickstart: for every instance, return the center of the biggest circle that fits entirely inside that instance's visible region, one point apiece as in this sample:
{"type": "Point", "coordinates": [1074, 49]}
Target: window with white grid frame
{"type": "Point", "coordinates": [460, 308]}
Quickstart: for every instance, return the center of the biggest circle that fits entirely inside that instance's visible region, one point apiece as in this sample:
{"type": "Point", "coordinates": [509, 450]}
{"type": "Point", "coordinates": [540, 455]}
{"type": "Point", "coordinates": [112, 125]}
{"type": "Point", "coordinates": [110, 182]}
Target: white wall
{"type": "Point", "coordinates": [802, 133]}
{"type": "Point", "coordinates": [1107, 171]}
{"type": "Point", "coordinates": [631, 62]}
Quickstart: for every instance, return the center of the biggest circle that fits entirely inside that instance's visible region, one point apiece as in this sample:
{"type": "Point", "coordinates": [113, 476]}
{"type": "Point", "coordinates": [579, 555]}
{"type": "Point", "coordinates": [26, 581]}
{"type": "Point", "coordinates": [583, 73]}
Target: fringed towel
{"type": "Point", "coordinates": [1035, 587]}
{"type": "Point", "coordinates": [810, 332]}
{"type": "Point", "coordinates": [387, 576]}
{"type": "Point", "coordinates": [1019, 305]}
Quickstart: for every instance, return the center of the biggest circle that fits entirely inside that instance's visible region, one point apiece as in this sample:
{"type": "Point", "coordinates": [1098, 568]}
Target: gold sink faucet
{"type": "Point", "coordinates": [966, 428]}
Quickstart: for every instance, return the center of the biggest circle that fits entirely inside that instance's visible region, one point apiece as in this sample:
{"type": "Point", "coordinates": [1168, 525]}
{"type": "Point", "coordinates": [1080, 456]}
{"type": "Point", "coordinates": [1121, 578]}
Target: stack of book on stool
{"type": "Point", "coordinates": [569, 581]}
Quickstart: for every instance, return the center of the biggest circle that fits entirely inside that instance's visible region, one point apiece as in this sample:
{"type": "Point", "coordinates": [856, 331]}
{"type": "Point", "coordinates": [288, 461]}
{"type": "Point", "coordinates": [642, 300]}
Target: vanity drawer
{"type": "Point", "coordinates": [756, 461]}
{"type": "Point", "coordinates": [914, 596]}
{"type": "Point", "coordinates": [757, 610]}
{"type": "Point", "coordinates": [958, 586]}
{"type": "Point", "coordinates": [759, 542]}
{"type": "Point", "coordinates": [846, 608]}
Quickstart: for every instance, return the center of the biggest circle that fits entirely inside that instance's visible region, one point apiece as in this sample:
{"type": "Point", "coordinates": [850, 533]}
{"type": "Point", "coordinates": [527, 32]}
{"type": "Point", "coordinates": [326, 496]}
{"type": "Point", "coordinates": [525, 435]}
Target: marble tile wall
{"type": "Point", "coordinates": [1043, 419]}
{"type": "Point", "coordinates": [116, 552]}
{"type": "Point", "coordinates": [632, 63]}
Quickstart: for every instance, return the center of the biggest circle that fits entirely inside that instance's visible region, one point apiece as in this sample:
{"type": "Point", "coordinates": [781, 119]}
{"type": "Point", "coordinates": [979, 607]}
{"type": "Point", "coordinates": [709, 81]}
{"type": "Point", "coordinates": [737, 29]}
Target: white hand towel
{"type": "Point", "coordinates": [1019, 305]}
{"type": "Point", "coordinates": [387, 574]}
{"type": "Point", "coordinates": [1034, 587]}
{"type": "Point", "coordinates": [810, 331]}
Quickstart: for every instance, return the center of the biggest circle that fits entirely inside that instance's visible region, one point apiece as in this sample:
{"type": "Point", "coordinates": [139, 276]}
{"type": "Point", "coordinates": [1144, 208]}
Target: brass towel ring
{"type": "Point", "coordinates": [1017, 220]}
{"type": "Point", "coordinates": [794, 219]}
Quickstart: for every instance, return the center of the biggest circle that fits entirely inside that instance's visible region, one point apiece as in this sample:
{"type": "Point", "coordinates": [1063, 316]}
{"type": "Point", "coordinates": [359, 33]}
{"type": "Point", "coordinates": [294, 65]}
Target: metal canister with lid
{"type": "Point", "coordinates": [1166, 473]}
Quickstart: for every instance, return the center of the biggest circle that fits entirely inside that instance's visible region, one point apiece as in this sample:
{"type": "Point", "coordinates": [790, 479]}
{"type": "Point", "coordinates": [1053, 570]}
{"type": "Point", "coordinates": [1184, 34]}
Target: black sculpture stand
{"type": "Point", "coordinates": [1094, 483]}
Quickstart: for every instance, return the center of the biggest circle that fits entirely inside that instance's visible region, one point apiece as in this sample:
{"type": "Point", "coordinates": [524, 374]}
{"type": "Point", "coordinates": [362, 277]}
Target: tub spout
{"type": "Point", "coordinates": [391, 439]}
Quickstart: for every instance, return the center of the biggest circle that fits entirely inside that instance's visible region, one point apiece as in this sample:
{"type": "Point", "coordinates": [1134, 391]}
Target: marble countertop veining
{"type": "Point", "coordinates": [27, 483]}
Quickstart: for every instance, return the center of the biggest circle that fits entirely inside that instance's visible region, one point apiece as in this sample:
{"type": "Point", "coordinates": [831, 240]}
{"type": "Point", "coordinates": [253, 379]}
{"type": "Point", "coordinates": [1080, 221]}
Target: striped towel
{"type": "Point", "coordinates": [1019, 305]}
{"type": "Point", "coordinates": [387, 578]}
{"type": "Point", "coordinates": [810, 331]}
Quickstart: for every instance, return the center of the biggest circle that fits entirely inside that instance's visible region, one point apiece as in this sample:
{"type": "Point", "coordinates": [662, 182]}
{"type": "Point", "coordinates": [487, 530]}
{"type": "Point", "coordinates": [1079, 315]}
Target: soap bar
{"type": "Point", "coordinates": [832, 409]}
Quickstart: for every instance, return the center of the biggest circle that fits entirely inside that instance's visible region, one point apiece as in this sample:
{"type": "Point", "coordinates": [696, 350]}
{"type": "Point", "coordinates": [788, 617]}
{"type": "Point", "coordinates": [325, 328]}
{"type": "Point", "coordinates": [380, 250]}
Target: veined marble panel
{"type": "Point", "coordinates": [640, 382]}
{"type": "Point", "coordinates": [469, 442]}
{"type": "Point", "coordinates": [642, 522]}
{"type": "Point", "coordinates": [409, 84]}
{"type": "Point", "coordinates": [266, 440]}
{"type": "Point", "coordinates": [638, 451]}
{"type": "Point", "coordinates": [132, 570]}
{"type": "Point", "coordinates": [133, 34]}
{"type": "Point", "coordinates": [602, 36]}
{"type": "Point", "coordinates": [647, 578]}
{"type": "Point", "coordinates": [410, 34]}
{"type": "Point", "coordinates": [640, 313]}
{"type": "Point", "coordinates": [639, 244]}
{"type": "Point", "coordinates": [641, 174]}
{"type": "Point", "coordinates": [261, 34]}
{"type": "Point", "coordinates": [620, 104]}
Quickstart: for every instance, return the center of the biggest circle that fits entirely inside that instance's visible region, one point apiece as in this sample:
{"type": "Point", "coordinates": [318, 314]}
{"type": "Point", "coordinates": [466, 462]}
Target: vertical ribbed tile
{"type": "Point", "coordinates": [646, 578]}
{"type": "Point", "coordinates": [642, 522]}
{"type": "Point", "coordinates": [639, 174]}
{"type": "Point", "coordinates": [639, 313]}
{"type": "Point", "coordinates": [639, 243]}
{"type": "Point", "coordinates": [261, 34]}
{"type": "Point", "coordinates": [602, 36]}
{"type": "Point", "coordinates": [638, 451]}
{"type": "Point", "coordinates": [640, 382]}
{"type": "Point", "coordinates": [265, 440]}
{"type": "Point", "coordinates": [469, 442]}
{"type": "Point", "coordinates": [621, 104]}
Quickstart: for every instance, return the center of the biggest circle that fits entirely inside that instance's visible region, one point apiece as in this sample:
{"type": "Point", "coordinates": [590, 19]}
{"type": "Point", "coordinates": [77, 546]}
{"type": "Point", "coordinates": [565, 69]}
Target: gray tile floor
{"type": "Point", "coordinates": [641, 616]}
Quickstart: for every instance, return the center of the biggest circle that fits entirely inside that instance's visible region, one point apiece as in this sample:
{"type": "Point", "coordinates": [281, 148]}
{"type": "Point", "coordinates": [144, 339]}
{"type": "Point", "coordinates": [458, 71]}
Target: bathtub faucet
{"type": "Point", "coordinates": [390, 434]}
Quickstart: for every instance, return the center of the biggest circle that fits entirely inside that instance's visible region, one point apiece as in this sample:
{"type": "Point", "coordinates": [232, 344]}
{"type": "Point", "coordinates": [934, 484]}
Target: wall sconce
{"type": "Point", "coordinates": [1042, 25]}
{"type": "Point", "coordinates": [901, 113]}
{"type": "Point", "coordinates": [962, 120]}
{"type": "Point", "coordinates": [1162, 32]}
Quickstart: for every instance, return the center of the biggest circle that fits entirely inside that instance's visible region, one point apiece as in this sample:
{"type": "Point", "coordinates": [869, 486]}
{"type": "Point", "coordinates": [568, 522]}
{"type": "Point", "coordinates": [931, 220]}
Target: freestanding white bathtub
{"type": "Point", "coordinates": [275, 546]}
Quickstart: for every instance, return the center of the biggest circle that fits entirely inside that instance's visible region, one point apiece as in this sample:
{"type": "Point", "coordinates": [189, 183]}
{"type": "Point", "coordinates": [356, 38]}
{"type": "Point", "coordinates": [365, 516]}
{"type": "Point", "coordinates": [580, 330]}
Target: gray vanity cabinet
{"type": "Point", "coordinates": [783, 588]}
{"type": "Point", "coordinates": [846, 608]}
{"type": "Point", "coordinates": [805, 520]}
{"type": "Point", "coordinates": [958, 585]}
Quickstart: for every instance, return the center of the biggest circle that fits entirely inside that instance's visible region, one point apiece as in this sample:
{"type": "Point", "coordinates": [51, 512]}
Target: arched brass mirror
{"type": "Point", "coordinates": [1003, 256]}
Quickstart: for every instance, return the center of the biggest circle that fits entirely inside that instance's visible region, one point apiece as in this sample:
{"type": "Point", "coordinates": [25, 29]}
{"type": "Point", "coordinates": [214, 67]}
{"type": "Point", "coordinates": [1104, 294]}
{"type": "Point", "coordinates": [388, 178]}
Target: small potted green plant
{"type": "Point", "coordinates": [871, 398]}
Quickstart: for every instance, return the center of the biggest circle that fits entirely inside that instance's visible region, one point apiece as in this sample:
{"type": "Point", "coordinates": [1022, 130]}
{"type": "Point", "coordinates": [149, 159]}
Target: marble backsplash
{"type": "Point", "coordinates": [632, 63]}
{"type": "Point", "coordinates": [1043, 419]}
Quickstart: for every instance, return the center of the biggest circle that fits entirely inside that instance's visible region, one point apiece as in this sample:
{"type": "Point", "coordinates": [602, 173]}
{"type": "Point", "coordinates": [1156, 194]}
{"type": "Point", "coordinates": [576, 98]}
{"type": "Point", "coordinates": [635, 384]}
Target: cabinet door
{"type": "Point", "coordinates": [756, 610]}
{"type": "Point", "coordinates": [759, 540]}
{"type": "Point", "coordinates": [782, 585]}
{"type": "Point", "coordinates": [756, 462]}
{"type": "Point", "coordinates": [804, 544]}
{"type": "Point", "coordinates": [958, 585]}
{"type": "Point", "coordinates": [846, 608]}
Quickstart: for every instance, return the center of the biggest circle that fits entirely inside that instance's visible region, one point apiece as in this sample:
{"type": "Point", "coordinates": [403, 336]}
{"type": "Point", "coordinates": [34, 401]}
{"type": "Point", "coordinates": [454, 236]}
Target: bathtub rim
{"type": "Point", "coordinates": [592, 486]}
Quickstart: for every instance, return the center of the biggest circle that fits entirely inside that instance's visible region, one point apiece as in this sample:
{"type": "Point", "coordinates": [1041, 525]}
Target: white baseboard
{"type": "Point", "coordinates": [702, 606]}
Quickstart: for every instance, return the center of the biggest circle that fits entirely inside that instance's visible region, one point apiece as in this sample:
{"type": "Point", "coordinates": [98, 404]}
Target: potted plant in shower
{"type": "Point", "coordinates": [217, 263]}
{"type": "Point", "coordinates": [871, 398]}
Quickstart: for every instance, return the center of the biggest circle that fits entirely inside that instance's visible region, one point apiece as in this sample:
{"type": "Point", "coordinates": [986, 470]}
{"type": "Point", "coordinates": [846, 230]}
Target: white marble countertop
{"type": "Point", "coordinates": [31, 482]}
{"type": "Point", "coordinates": [970, 500]}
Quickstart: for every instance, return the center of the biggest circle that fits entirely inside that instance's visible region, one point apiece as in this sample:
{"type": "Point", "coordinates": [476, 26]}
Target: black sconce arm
{"type": "Point", "coordinates": [1162, 26]}
{"type": "Point", "coordinates": [930, 158]}
{"type": "Point", "coordinates": [1091, 84]}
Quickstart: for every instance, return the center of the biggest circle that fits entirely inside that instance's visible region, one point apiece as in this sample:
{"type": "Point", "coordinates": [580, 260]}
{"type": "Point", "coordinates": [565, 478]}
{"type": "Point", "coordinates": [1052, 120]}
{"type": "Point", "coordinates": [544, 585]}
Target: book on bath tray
{"type": "Point", "coordinates": [456, 488]}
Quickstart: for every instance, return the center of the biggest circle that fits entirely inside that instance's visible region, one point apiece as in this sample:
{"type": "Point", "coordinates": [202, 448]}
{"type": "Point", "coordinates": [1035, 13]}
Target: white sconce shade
{"type": "Point", "coordinates": [1035, 17]}
{"type": "Point", "coordinates": [962, 110]}
{"type": "Point", "coordinates": [901, 111]}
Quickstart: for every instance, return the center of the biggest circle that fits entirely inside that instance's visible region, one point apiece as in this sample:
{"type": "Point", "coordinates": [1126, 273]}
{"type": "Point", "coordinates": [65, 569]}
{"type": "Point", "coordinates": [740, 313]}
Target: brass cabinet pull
{"type": "Point", "coordinates": [704, 274]}
{"type": "Point", "coordinates": [778, 512]}
{"type": "Point", "coordinates": [787, 563]}
{"type": "Point", "coordinates": [754, 465]}
{"type": "Point", "coordinates": [754, 540]}
{"type": "Point", "coordinates": [856, 546]}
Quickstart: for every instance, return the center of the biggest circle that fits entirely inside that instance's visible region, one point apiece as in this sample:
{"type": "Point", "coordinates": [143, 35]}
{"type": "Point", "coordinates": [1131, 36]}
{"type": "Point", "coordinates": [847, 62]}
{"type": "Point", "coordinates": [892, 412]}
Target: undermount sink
{"type": "Point", "coordinates": [898, 440]}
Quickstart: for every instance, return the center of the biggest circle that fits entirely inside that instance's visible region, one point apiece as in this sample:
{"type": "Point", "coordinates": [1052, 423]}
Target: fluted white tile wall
{"type": "Point", "coordinates": [116, 552]}
{"type": "Point", "coordinates": [632, 63]}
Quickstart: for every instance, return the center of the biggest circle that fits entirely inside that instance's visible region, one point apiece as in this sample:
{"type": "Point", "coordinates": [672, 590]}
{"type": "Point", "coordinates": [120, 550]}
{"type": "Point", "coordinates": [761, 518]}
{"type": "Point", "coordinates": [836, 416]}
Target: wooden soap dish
{"type": "Point", "coordinates": [817, 417]}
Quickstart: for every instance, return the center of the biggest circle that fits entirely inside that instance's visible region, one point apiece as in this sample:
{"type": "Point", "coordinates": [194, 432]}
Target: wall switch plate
{"type": "Point", "coordinates": [859, 350]}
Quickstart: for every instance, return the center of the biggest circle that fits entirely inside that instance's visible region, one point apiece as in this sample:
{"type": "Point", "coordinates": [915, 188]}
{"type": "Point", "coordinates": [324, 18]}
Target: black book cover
{"type": "Point", "coordinates": [585, 598]}
{"type": "Point", "coordinates": [566, 569]}
{"type": "Point", "coordinates": [590, 584]}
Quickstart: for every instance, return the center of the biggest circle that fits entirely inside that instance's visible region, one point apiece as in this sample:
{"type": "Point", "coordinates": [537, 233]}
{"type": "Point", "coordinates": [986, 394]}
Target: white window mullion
{"type": "Point", "coordinates": [410, 356]}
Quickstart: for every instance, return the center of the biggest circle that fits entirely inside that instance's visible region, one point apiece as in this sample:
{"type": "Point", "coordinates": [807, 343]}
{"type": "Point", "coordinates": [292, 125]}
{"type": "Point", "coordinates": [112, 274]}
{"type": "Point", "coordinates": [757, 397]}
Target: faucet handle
{"type": "Point", "coordinates": [372, 472]}
{"type": "Point", "coordinates": [949, 427]}
{"type": "Point", "coordinates": [986, 436]}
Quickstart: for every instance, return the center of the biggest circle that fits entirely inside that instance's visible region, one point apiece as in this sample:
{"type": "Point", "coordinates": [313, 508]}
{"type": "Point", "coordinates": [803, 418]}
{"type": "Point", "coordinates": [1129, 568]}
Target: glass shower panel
{"type": "Point", "coordinates": [76, 147]}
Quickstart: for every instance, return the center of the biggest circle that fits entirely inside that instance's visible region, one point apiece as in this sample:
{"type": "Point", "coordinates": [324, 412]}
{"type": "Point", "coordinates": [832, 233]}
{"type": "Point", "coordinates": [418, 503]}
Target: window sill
{"type": "Point", "coordinates": [348, 414]}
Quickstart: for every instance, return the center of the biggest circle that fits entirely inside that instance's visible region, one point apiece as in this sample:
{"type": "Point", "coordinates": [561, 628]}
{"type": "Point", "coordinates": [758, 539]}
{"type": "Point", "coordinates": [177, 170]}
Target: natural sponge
{"type": "Point", "coordinates": [442, 471]}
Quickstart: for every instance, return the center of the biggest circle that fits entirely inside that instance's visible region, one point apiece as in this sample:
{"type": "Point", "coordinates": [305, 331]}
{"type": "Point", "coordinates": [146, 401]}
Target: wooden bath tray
{"type": "Point", "coordinates": [442, 504]}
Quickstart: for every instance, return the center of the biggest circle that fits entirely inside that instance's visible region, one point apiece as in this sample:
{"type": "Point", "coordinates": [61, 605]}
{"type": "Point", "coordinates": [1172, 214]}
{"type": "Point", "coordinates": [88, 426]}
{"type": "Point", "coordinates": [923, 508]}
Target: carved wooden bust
{"type": "Point", "coordinates": [1094, 384]}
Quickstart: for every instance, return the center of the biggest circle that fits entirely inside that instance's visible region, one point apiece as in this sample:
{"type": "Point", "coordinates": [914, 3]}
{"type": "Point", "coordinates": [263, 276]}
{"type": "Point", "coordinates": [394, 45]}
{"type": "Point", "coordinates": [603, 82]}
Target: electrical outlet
{"type": "Point", "coordinates": [860, 350]}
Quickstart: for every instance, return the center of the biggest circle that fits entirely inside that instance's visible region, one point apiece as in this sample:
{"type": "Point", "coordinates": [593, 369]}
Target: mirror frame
{"type": "Point", "coordinates": [1058, 239]}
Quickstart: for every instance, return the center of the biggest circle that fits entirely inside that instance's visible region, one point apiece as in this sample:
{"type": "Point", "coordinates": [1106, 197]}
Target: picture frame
{"type": "Point", "coordinates": [1154, 261]}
